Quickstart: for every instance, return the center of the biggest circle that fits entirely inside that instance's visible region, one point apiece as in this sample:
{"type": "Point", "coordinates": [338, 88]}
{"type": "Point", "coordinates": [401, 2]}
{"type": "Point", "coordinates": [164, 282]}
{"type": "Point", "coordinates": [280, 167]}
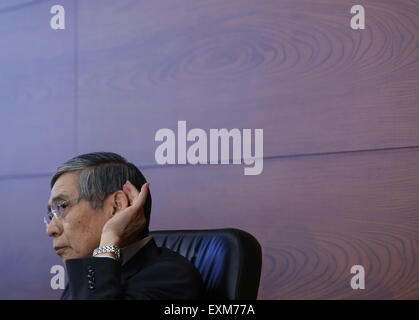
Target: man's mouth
{"type": "Point", "coordinates": [59, 250]}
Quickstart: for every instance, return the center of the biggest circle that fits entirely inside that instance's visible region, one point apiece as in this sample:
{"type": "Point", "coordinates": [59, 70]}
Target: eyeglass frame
{"type": "Point", "coordinates": [53, 213]}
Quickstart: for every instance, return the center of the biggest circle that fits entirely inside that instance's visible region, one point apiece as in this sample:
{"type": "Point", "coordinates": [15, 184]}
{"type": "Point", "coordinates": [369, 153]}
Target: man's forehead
{"type": "Point", "coordinates": [65, 186]}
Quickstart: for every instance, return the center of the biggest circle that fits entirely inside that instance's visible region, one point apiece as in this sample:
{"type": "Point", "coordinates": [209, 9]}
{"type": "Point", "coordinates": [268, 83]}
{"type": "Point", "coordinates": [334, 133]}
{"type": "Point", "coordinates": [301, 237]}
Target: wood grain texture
{"type": "Point", "coordinates": [294, 68]}
{"type": "Point", "coordinates": [10, 5]}
{"type": "Point", "coordinates": [37, 82]}
{"type": "Point", "coordinates": [297, 70]}
{"type": "Point", "coordinates": [28, 254]}
{"type": "Point", "coordinates": [314, 216]}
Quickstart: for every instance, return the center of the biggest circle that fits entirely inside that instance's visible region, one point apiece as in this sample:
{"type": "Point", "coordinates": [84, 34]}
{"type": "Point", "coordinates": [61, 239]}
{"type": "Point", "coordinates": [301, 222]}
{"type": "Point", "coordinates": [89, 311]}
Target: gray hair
{"type": "Point", "coordinates": [101, 174]}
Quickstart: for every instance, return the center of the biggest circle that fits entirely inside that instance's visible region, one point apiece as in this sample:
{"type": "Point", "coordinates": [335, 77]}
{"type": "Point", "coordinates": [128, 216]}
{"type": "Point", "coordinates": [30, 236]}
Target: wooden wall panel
{"type": "Point", "coordinates": [37, 87]}
{"type": "Point", "coordinates": [27, 253]}
{"type": "Point", "coordinates": [314, 216]}
{"type": "Point", "coordinates": [294, 68]}
{"type": "Point", "coordinates": [124, 69]}
{"type": "Point", "coordinates": [10, 5]}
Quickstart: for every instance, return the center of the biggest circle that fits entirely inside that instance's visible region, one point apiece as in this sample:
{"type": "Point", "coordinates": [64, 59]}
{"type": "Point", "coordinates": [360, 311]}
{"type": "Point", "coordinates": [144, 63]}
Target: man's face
{"type": "Point", "coordinates": [77, 232]}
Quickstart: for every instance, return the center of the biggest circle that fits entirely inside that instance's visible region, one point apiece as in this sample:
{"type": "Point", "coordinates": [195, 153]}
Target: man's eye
{"type": "Point", "coordinates": [62, 205]}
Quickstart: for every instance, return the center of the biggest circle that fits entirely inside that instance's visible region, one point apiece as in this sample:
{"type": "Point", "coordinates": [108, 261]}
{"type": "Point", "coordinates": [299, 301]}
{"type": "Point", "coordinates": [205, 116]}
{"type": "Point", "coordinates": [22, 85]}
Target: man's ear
{"type": "Point", "coordinates": [116, 202]}
{"type": "Point", "coordinates": [120, 201]}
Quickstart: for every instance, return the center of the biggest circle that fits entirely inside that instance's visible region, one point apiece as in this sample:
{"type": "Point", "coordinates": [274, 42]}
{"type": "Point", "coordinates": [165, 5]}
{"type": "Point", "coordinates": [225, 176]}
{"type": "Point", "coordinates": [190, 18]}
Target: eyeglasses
{"type": "Point", "coordinates": [56, 210]}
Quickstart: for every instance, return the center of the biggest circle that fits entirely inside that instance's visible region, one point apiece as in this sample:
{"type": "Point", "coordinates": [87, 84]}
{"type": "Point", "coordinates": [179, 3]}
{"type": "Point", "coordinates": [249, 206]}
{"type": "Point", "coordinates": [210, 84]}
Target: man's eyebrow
{"type": "Point", "coordinates": [61, 196]}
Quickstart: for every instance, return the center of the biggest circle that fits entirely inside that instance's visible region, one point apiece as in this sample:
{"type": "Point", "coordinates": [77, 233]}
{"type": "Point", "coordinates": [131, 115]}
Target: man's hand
{"type": "Point", "coordinates": [126, 224]}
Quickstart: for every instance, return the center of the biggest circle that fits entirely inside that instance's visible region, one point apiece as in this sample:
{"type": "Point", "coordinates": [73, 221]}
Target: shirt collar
{"type": "Point", "coordinates": [129, 251]}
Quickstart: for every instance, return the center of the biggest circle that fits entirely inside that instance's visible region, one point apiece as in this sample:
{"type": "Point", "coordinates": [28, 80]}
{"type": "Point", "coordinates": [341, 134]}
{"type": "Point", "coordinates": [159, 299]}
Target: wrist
{"type": "Point", "coordinates": [112, 251]}
{"type": "Point", "coordinates": [108, 239]}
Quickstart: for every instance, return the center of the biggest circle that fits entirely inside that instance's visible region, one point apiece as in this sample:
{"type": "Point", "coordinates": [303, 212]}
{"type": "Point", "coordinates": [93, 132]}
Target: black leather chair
{"type": "Point", "coordinates": [229, 260]}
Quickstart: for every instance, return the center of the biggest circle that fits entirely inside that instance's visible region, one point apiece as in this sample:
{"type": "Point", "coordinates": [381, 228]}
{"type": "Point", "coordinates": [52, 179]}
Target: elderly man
{"type": "Point", "coordinates": [99, 222]}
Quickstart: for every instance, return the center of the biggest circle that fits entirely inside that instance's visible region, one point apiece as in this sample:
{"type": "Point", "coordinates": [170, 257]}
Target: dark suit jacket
{"type": "Point", "coordinates": [153, 273]}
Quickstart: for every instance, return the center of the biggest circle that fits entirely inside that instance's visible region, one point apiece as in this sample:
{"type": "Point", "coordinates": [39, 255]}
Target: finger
{"type": "Point", "coordinates": [141, 198]}
{"type": "Point", "coordinates": [136, 198]}
{"type": "Point", "coordinates": [130, 190]}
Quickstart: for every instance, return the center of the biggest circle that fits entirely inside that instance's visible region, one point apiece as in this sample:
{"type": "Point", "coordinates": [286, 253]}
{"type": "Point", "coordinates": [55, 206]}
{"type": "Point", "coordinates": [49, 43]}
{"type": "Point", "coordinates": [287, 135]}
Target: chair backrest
{"type": "Point", "coordinates": [229, 260]}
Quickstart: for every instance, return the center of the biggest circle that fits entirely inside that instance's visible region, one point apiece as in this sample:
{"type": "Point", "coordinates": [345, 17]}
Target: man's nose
{"type": "Point", "coordinates": [53, 228]}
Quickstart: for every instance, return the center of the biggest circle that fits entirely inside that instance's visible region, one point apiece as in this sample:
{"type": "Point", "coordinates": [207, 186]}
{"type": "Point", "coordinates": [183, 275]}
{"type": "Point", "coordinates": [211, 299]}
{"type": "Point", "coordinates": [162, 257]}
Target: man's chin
{"type": "Point", "coordinates": [66, 255]}
{"type": "Point", "coordinates": [64, 258]}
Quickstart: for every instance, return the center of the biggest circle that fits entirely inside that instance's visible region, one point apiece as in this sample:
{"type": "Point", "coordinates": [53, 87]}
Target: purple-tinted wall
{"type": "Point", "coordinates": [338, 108]}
